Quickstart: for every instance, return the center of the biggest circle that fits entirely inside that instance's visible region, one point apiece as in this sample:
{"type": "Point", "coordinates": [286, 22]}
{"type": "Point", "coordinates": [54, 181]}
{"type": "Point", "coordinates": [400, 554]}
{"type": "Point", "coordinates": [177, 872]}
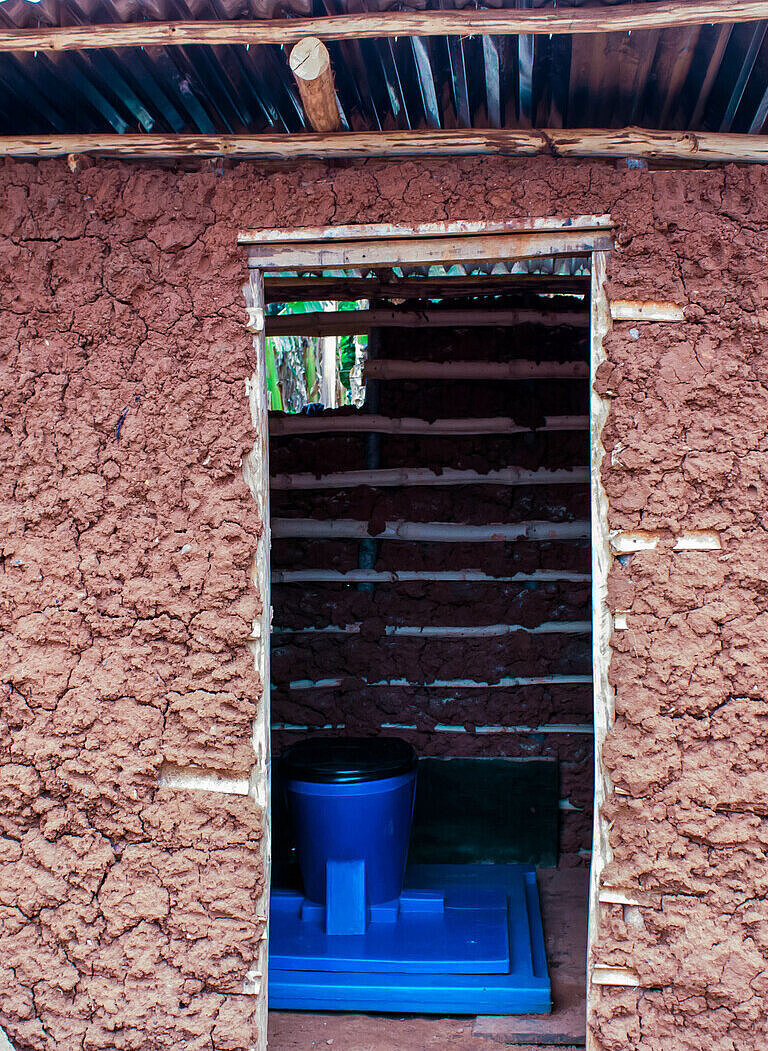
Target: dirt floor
{"type": "Point", "coordinates": [563, 898]}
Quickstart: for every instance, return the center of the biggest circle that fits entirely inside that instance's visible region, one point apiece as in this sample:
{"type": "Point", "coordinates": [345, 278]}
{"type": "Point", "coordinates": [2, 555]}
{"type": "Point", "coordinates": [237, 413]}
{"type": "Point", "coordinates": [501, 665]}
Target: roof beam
{"type": "Point", "coordinates": [615, 18]}
{"type": "Point", "coordinates": [700, 147]}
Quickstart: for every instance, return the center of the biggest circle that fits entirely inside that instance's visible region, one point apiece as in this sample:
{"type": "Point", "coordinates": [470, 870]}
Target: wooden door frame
{"type": "Point", "coordinates": [390, 245]}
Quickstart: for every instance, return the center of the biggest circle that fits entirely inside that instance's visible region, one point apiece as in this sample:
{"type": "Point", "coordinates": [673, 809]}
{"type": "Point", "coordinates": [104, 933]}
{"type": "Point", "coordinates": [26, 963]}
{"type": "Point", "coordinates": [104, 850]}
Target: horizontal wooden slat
{"type": "Point", "coordinates": [553, 627]}
{"type": "Point", "coordinates": [648, 540]}
{"type": "Point", "coordinates": [401, 231]}
{"type": "Point", "coordinates": [352, 322]}
{"type": "Point", "coordinates": [438, 532]}
{"type": "Point", "coordinates": [613, 896]}
{"type": "Point", "coordinates": [585, 729]}
{"type": "Point", "coordinates": [391, 369]}
{"type": "Point", "coordinates": [422, 476]}
{"type": "Point", "coordinates": [645, 310]}
{"type": "Point", "coordinates": [382, 576]}
{"type": "Point", "coordinates": [452, 684]}
{"type": "Point", "coordinates": [422, 251]}
{"type": "Point", "coordinates": [605, 975]}
{"type": "Point", "coordinates": [282, 289]}
{"type": "Point", "coordinates": [617, 18]}
{"type": "Point", "coordinates": [701, 147]}
{"type": "Point", "coordinates": [361, 423]}
{"type": "Point", "coordinates": [197, 779]}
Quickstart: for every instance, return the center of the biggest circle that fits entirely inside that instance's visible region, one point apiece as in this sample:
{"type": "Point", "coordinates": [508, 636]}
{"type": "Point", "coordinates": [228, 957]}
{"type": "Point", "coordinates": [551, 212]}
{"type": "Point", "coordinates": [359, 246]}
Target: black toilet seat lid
{"type": "Point", "coordinates": [347, 760]}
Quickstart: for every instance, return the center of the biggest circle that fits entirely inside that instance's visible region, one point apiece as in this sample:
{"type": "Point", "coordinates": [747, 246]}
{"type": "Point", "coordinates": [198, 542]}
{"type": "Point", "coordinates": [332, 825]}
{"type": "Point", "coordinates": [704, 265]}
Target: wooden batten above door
{"type": "Point", "coordinates": [386, 245]}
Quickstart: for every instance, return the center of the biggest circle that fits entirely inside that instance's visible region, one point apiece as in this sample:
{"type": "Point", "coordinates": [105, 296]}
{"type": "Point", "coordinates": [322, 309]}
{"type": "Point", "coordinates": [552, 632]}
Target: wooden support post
{"type": "Point", "coordinates": [329, 372]}
{"type": "Point", "coordinates": [602, 623]}
{"type": "Point", "coordinates": [256, 475]}
{"type": "Point", "coordinates": [311, 67]}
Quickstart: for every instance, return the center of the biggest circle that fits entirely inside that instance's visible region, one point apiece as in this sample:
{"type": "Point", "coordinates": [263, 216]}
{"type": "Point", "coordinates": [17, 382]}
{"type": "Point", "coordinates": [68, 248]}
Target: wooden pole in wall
{"type": "Point", "coordinates": [311, 67]}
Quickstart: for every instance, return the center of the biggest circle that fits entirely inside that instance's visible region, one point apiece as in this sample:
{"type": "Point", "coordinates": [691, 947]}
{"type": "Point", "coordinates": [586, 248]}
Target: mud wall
{"type": "Point", "coordinates": [448, 721]}
{"type": "Point", "coordinates": [127, 535]}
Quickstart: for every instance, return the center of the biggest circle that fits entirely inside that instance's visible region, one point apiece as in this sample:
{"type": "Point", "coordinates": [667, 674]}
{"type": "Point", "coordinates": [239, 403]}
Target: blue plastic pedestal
{"type": "Point", "coordinates": [461, 939]}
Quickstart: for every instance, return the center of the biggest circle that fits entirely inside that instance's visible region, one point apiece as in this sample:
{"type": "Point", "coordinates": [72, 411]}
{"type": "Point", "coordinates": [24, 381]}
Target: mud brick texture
{"type": "Point", "coordinates": [128, 910]}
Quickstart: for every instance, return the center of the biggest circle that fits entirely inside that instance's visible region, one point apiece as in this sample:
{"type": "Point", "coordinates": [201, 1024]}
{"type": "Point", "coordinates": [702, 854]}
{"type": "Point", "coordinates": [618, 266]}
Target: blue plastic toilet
{"type": "Point", "coordinates": [364, 933]}
{"type": "Point", "coordinates": [351, 805]}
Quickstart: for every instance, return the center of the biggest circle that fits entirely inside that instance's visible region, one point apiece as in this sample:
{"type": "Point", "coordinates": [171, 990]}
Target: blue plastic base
{"type": "Point", "coordinates": [462, 939]}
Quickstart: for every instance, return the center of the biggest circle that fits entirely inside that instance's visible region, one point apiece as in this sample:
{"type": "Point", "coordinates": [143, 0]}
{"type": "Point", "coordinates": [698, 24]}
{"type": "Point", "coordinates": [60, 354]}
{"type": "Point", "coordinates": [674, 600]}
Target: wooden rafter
{"type": "Point", "coordinates": [615, 18]}
{"type": "Point", "coordinates": [699, 147]}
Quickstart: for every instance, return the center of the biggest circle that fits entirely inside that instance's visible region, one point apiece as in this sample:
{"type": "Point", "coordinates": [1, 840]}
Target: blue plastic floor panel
{"type": "Point", "coordinates": [462, 939]}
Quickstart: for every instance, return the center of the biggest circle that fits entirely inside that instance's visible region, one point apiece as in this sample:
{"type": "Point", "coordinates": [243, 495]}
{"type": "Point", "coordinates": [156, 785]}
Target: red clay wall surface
{"type": "Point", "coordinates": [128, 916]}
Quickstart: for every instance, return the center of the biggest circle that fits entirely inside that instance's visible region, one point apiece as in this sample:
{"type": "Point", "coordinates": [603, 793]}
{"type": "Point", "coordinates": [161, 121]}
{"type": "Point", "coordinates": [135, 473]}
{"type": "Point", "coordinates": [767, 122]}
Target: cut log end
{"type": "Point", "coordinates": [311, 67]}
{"type": "Point", "coordinates": [309, 59]}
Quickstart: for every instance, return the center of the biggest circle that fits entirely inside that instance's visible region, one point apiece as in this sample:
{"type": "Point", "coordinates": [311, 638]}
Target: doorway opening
{"type": "Point", "coordinates": [431, 581]}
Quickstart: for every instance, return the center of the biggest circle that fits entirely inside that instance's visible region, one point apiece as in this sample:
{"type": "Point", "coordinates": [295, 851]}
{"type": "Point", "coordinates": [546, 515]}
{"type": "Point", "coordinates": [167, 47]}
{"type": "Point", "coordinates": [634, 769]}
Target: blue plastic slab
{"type": "Point", "coordinates": [388, 974]}
{"type": "Point", "coordinates": [461, 936]}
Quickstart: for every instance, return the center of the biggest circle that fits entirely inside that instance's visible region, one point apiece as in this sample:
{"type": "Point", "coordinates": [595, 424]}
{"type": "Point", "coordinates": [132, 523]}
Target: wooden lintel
{"type": "Point", "coordinates": [697, 147]}
{"type": "Point", "coordinates": [401, 231]}
{"type": "Point", "coordinates": [617, 18]}
{"type": "Point", "coordinates": [427, 251]}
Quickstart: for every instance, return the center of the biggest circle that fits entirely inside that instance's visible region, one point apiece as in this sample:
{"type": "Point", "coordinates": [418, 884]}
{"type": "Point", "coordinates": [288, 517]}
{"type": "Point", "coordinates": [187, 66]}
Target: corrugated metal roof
{"type": "Point", "coordinates": [704, 78]}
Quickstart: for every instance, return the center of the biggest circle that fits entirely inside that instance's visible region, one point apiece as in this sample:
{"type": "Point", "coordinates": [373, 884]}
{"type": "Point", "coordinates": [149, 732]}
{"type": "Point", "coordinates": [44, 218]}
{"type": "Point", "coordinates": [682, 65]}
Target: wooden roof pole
{"type": "Point", "coordinates": [311, 67]}
{"type": "Point", "coordinates": [701, 147]}
{"type": "Point", "coordinates": [614, 18]}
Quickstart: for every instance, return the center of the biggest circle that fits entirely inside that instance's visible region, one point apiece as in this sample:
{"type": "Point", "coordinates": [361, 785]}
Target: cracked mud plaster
{"type": "Point", "coordinates": [127, 534]}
